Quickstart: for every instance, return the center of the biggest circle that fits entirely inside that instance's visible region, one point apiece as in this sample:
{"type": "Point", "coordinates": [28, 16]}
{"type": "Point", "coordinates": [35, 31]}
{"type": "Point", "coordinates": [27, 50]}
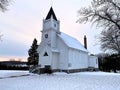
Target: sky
{"type": "Point", "coordinates": [23, 22]}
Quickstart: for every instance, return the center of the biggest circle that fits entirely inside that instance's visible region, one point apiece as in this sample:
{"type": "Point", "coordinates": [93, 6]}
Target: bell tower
{"type": "Point", "coordinates": [51, 27]}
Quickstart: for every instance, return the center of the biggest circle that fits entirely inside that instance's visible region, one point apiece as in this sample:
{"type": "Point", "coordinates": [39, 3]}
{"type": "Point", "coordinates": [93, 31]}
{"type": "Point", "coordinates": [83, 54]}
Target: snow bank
{"type": "Point", "coordinates": [59, 73]}
{"type": "Point", "coordinates": [11, 73]}
{"type": "Point", "coordinates": [96, 73]}
{"type": "Point", "coordinates": [61, 81]}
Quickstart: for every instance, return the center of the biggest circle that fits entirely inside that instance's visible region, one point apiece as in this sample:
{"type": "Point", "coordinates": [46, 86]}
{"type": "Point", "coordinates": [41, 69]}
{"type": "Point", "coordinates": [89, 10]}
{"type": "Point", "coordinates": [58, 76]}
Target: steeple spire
{"type": "Point", "coordinates": [51, 13]}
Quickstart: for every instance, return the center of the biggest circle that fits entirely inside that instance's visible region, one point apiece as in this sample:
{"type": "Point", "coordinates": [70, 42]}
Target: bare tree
{"type": "Point", "coordinates": [106, 14]}
{"type": "Point", "coordinates": [4, 4]}
{"type": "Point", "coordinates": [110, 40]}
{"type": "Point", "coordinates": [3, 7]}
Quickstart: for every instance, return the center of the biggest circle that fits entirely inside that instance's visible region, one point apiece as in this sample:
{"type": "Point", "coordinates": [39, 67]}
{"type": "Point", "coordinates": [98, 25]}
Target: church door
{"type": "Point", "coordinates": [48, 69]}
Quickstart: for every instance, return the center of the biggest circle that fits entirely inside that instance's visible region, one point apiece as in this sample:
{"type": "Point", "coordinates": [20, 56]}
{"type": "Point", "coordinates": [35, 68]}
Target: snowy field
{"type": "Point", "coordinates": [22, 80]}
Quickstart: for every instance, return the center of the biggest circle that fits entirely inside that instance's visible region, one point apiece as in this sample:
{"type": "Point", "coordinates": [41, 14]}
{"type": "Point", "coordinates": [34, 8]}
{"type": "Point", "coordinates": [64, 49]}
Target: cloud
{"type": "Point", "coordinates": [23, 22]}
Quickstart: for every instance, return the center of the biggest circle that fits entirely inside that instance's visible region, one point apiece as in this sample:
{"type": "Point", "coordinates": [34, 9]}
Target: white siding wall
{"type": "Point", "coordinates": [93, 61]}
{"type": "Point", "coordinates": [43, 39]}
{"type": "Point", "coordinates": [51, 24]}
{"type": "Point", "coordinates": [45, 60]}
{"type": "Point", "coordinates": [55, 24]}
{"type": "Point", "coordinates": [55, 59]}
{"type": "Point", "coordinates": [63, 60]}
{"type": "Point", "coordinates": [46, 24]}
{"type": "Point", "coordinates": [53, 39]}
{"type": "Point", "coordinates": [77, 59]}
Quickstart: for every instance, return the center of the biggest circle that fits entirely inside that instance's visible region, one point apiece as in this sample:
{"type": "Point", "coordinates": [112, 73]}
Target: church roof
{"type": "Point", "coordinates": [51, 13]}
{"type": "Point", "coordinates": [72, 42]}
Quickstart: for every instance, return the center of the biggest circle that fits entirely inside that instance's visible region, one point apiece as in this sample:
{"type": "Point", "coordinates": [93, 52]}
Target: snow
{"type": "Point", "coordinates": [72, 42]}
{"type": "Point", "coordinates": [11, 73]}
{"type": "Point", "coordinates": [96, 73]}
{"type": "Point", "coordinates": [60, 81]}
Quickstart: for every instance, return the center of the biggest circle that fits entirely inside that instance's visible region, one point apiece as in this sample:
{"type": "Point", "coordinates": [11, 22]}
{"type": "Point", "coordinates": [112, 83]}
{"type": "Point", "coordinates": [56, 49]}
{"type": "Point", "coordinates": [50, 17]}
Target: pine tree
{"type": "Point", "coordinates": [33, 55]}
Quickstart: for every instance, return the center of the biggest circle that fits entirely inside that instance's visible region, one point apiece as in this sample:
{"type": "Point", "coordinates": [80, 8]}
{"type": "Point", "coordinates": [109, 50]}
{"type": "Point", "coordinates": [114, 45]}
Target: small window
{"type": "Point", "coordinates": [46, 35]}
{"type": "Point", "coordinates": [45, 54]}
{"type": "Point", "coordinates": [54, 25]}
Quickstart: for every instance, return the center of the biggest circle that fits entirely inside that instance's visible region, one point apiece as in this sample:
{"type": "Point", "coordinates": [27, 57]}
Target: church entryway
{"type": "Point", "coordinates": [48, 69]}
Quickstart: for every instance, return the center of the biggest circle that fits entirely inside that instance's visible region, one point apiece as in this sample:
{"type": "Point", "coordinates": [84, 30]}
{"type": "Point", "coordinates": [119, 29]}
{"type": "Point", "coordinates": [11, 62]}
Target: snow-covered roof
{"type": "Point", "coordinates": [72, 42]}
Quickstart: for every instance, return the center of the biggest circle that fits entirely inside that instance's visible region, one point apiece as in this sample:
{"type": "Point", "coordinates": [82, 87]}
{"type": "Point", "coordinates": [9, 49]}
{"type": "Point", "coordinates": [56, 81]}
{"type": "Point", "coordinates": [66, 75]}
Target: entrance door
{"type": "Point", "coordinates": [48, 69]}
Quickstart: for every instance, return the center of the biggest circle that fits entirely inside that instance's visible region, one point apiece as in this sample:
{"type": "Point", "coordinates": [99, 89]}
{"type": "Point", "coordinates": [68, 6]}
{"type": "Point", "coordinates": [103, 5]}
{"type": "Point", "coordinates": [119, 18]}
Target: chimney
{"type": "Point", "coordinates": [85, 42]}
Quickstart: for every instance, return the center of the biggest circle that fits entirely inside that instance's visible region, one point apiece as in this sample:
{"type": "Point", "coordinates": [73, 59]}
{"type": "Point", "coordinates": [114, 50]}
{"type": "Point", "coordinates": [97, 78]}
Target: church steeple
{"type": "Point", "coordinates": [51, 13]}
{"type": "Point", "coordinates": [51, 27]}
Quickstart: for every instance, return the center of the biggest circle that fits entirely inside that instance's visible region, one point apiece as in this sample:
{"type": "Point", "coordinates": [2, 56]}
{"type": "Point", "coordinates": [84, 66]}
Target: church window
{"type": "Point", "coordinates": [45, 54]}
{"type": "Point", "coordinates": [46, 35]}
{"type": "Point", "coordinates": [54, 25]}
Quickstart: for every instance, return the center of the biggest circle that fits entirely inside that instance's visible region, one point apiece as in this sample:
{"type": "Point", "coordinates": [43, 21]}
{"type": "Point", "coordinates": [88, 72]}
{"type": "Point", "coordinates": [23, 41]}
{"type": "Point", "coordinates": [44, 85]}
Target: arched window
{"type": "Point", "coordinates": [45, 54]}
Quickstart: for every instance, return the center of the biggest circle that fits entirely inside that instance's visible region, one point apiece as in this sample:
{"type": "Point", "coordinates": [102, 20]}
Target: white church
{"type": "Point", "coordinates": [61, 52]}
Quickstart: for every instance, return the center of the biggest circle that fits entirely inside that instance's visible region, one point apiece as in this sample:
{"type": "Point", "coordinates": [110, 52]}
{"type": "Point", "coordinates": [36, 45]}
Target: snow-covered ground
{"type": "Point", "coordinates": [12, 73]}
{"type": "Point", "coordinates": [59, 81]}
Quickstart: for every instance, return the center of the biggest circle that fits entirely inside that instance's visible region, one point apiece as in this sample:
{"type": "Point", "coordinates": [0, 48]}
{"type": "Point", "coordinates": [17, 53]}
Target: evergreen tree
{"type": "Point", "coordinates": [33, 55]}
{"type": "Point", "coordinates": [110, 63]}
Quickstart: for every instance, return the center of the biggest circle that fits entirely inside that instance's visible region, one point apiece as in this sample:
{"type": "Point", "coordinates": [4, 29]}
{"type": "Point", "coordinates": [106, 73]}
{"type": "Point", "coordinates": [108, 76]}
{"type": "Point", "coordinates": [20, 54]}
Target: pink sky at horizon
{"type": "Point", "coordinates": [16, 58]}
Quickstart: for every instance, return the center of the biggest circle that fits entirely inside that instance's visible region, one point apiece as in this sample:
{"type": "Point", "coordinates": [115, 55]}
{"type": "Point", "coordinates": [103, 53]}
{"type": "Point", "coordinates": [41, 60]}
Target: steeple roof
{"type": "Point", "coordinates": [51, 13]}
